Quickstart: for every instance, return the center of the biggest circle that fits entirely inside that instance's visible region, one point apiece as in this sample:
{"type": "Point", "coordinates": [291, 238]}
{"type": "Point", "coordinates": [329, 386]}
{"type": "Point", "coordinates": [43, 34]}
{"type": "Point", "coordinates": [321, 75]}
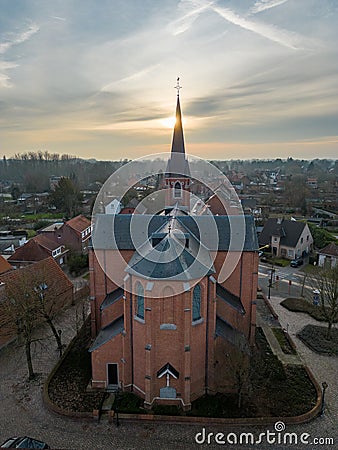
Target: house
{"type": "Point", "coordinates": [57, 289]}
{"type": "Point", "coordinates": [288, 238]}
{"type": "Point", "coordinates": [164, 320]}
{"type": "Point", "coordinates": [10, 242]}
{"type": "Point", "coordinates": [130, 206]}
{"type": "Point", "coordinates": [73, 234]}
{"type": "Point", "coordinates": [36, 249]}
{"type": "Point", "coordinates": [312, 183]}
{"type": "Point", "coordinates": [113, 207]}
{"type": "Point", "coordinates": [328, 256]}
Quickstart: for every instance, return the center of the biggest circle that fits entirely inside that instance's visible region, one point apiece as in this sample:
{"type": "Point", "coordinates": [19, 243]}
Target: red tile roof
{"type": "Point", "coordinates": [45, 242]}
{"type": "Point", "coordinates": [4, 265]}
{"type": "Point", "coordinates": [79, 223]}
{"type": "Point", "coordinates": [47, 271]}
{"type": "Point", "coordinates": [330, 249]}
{"type": "Point", "coordinates": [36, 249]}
{"type": "Point", "coordinates": [30, 252]}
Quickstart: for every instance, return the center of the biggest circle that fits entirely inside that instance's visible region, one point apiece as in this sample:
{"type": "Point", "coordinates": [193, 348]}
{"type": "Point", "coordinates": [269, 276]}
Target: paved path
{"type": "Point", "coordinates": [325, 368]}
{"type": "Point", "coordinates": [22, 411]}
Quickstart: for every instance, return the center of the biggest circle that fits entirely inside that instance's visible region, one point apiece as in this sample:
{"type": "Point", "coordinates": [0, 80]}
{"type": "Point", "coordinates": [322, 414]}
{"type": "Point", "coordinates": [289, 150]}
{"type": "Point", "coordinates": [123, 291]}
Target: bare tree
{"type": "Point", "coordinates": [19, 316]}
{"type": "Point", "coordinates": [32, 295]}
{"type": "Point", "coordinates": [239, 362]}
{"type": "Point", "coordinates": [326, 282]}
{"type": "Point", "coordinates": [49, 299]}
{"type": "Point", "coordinates": [46, 311]}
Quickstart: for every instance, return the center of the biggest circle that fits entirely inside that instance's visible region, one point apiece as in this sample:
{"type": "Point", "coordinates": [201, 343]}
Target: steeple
{"type": "Point", "coordinates": [178, 165]}
{"type": "Point", "coordinates": [177, 176]}
{"type": "Point", "coordinates": [178, 139]}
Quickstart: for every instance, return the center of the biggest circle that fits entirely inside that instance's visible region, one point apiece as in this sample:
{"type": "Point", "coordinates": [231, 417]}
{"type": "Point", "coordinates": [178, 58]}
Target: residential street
{"type": "Point", "coordinates": [286, 281]}
{"type": "Point", "coordinates": [24, 414]}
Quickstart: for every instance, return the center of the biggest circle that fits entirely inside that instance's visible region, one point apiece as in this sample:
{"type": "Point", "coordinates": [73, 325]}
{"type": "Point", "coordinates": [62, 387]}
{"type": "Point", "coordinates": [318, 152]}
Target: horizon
{"type": "Point", "coordinates": [259, 78]}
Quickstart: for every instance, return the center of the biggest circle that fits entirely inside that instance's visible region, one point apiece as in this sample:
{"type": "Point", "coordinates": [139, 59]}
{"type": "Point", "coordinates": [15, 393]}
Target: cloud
{"type": "Point", "coordinates": [286, 38]}
{"type": "Point", "coordinates": [62, 19]}
{"type": "Point", "coordinates": [4, 78]}
{"type": "Point", "coordinates": [6, 46]}
{"type": "Point", "coordinates": [19, 38]}
{"type": "Point", "coordinates": [183, 23]}
{"type": "Point", "coordinates": [137, 76]}
{"type": "Point", "coordinates": [262, 5]}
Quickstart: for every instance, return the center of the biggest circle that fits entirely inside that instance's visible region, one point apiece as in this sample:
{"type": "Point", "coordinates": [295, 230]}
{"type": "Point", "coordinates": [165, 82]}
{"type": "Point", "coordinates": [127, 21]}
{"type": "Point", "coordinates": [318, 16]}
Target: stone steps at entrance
{"type": "Point", "coordinates": [108, 403]}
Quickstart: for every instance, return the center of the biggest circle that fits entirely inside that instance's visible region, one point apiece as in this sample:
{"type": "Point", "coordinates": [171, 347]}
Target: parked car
{"type": "Point", "coordinates": [296, 262]}
{"type": "Point", "coordinates": [24, 442]}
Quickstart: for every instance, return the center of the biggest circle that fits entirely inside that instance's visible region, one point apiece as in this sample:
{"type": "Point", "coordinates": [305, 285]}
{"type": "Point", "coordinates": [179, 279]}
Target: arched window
{"type": "Point", "coordinates": [167, 309]}
{"type": "Point", "coordinates": [196, 303]}
{"type": "Point", "coordinates": [177, 190]}
{"type": "Point", "coordinates": [139, 301]}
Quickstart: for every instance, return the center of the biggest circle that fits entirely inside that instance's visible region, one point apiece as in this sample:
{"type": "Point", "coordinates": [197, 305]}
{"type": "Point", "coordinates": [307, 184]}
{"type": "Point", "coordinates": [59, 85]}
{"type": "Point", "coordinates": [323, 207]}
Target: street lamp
{"type": "Point", "coordinates": [270, 280]}
{"type": "Point", "coordinates": [324, 386]}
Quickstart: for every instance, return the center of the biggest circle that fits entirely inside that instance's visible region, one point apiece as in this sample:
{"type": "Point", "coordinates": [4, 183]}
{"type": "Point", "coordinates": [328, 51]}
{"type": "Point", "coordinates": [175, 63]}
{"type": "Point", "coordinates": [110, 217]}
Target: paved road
{"type": "Point", "coordinates": [22, 411]}
{"type": "Point", "coordinates": [281, 278]}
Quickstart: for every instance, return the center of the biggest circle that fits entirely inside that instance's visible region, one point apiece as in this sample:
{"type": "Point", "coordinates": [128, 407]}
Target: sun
{"type": "Point", "coordinates": [169, 122]}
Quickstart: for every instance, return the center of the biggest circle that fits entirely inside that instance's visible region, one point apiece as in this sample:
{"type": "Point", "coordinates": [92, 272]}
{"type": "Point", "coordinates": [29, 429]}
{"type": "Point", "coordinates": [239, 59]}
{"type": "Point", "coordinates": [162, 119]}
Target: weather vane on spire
{"type": "Point", "coordinates": [178, 87]}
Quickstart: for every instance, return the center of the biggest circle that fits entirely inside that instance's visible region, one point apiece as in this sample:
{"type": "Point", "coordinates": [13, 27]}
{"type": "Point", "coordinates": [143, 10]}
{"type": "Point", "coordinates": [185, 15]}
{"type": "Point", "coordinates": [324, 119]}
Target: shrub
{"type": "Point", "coordinates": [315, 338]}
{"type": "Point", "coordinates": [304, 306]}
{"type": "Point", "coordinates": [77, 262]}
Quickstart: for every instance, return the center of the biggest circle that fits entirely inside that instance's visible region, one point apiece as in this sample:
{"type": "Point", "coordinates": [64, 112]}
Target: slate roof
{"type": "Point", "coordinates": [7, 243]}
{"type": "Point", "coordinates": [168, 368]}
{"type": "Point", "coordinates": [111, 298]}
{"type": "Point", "coordinates": [123, 230]}
{"type": "Point", "coordinates": [113, 329]}
{"type": "Point", "coordinates": [170, 260]}
{"type": "Point", "coordinates": [330, 250]}
{"type": "Point", "coordinates": [231, 334]}
{"type": "Point", "coordinates": [289, 232]}
{"type": "Point", "coordinates": [4, 265]}
{"type": "Point", "coordinates": [229, 298]}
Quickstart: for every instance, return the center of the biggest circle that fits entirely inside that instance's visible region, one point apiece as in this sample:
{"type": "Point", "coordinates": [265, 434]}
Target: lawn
{"type": "Point", "coordinates": [283, 341]}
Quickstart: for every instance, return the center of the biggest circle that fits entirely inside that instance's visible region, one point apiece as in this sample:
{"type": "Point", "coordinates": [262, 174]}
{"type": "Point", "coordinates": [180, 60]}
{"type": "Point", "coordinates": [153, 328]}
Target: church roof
{"type": "Point", "coordinates": [111, 298]}
{"type": "Point", "coordinates": [231, 334]}
{"type": "Point", "coordinates": [122, 231]}
{"type": "Point", "coordinates": [113, 329]}
{"type": "Point", "coordinates": [169, 259]}
{"type": "Point", "coordinates": [229, 298]}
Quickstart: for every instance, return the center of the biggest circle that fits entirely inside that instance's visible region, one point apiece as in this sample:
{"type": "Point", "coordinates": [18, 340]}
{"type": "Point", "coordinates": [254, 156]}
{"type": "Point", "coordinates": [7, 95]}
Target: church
{"type": "Point", "coordinates": [166, 325]}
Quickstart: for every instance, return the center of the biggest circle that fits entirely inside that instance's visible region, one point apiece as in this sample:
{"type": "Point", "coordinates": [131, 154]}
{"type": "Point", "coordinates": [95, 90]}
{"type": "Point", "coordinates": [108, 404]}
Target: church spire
{"type": "Point", "coordinates": [177, 174]}
{"type": "Point", "coordinates": [178, 138]}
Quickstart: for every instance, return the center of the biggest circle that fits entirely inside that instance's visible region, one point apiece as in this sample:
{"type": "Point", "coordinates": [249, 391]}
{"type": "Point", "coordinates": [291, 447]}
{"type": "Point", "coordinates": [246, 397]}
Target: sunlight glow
{"type": "Point", "coordinates": [169, 122]}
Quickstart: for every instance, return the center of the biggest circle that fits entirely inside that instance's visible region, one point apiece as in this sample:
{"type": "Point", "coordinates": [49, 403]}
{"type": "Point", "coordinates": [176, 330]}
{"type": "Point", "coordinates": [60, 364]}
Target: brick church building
{"type": "Point", "coordinates": [165, 324]}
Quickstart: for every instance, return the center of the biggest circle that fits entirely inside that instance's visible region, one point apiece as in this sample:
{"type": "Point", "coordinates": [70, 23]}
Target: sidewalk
{"type": "Point", "coordinates": [323, 367]}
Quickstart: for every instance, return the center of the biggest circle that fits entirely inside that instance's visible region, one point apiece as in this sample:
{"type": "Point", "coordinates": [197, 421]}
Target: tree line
{"type": "Point", "coordinates": [33, 170]}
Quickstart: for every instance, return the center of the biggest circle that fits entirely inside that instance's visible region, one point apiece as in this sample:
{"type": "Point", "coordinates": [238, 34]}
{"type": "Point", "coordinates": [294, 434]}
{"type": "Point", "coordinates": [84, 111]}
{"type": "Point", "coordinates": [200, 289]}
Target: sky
{"type": "Point", "coordinates": [96, 79]}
